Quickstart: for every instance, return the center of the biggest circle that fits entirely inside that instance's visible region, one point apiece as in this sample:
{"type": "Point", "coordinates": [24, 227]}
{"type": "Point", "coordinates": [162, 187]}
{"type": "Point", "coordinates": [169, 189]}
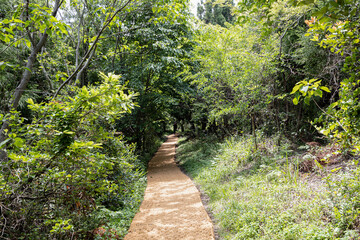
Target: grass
{"type": "Point", "coordinates": [257, 194]}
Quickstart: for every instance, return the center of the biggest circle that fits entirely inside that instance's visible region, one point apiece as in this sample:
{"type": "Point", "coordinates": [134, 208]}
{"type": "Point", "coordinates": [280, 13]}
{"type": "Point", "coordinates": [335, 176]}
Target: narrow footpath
{"type": "Point", "coordinates": [172, 208]}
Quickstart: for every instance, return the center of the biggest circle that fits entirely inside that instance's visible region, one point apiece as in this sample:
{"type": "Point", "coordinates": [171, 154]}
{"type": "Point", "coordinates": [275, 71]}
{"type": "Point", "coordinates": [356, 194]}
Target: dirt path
{"type": "Point", "coordinates": [172, 208]}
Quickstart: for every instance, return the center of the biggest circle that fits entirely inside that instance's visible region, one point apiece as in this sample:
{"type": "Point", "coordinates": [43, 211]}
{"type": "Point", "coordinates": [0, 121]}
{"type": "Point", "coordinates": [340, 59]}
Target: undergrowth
{"type": "Point", "coordinates": [118, 221]}
{"type": "Point", "coordinates": [260, 194]}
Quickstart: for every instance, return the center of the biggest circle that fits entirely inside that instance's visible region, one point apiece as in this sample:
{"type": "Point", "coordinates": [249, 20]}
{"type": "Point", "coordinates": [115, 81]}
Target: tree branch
{"type": "Point", "coordinates": [26, 77]}
{"type": "Point", "coordinates": [78, 68]}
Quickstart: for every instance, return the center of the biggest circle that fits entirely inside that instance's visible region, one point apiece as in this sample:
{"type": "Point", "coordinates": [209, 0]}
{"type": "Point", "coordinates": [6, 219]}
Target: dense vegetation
{"type": "Point", "coordinates": [89, 88]}
{"type": "Point", "coordinates": [286, 74]}
{"type": "Point", "coordinates": [75, 141]}
{"type": "Point", "coordinates": [273, 193]}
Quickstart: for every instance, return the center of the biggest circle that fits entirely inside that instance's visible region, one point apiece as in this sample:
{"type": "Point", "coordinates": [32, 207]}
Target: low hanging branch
{"type": "Point", "coordinates": [91, 51]}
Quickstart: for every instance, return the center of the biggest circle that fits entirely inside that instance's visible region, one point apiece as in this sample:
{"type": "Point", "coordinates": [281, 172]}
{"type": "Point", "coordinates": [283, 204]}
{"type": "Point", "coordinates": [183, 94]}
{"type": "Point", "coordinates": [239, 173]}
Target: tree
{"type": "Point", "coordinates": [63, 160]}
{"type": "Point", "coordinates": [42, 14]}
{"type": "Point", "coordinates": [43, 21]}
{"type": "Point", "coordinates": [235, 66]}
{"type": "Point", "coordinates": [216, 12]}
{"type": "Point", "coordinates": [151, 57]}
{"type": "Point", "coordinates": [335, 26]}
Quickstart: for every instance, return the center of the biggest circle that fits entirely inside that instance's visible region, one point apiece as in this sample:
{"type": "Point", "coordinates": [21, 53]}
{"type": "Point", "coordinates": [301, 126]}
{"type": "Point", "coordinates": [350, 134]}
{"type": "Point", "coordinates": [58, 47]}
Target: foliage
{"type": "Point", "coordinates": [216, 12]}
{"type": "Point", "coordinates": [155, 53]}
{"type": "Point", "coordinates": [41, 20]}
{"type": "Point", "coordinates": [345, 201]}
{"type": "Point", "coordinates": [308, 89]}
{"type": "Point", "coordinates": [244, 74]}
{"type": "Point", "coordinates": [261, 195]}
{"type": "Point", "coordinates": [335, 27]}
{"type": "Point", "coordinates": [65, 172]}
{"type": "Point", "coordinates": [65, 163]}
{"type": "Point", "coordinates": [234, 69]}
{"type": "Point", "coordinates": [77, 173]}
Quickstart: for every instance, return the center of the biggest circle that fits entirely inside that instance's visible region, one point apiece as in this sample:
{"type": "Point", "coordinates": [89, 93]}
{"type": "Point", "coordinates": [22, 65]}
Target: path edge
{"type": "Point", "coordinates": [205, 199]}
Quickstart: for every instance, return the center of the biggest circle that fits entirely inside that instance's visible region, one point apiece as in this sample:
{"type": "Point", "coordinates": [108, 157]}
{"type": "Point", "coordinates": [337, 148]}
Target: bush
{"type": "Point", "coordinates": [65, 163]}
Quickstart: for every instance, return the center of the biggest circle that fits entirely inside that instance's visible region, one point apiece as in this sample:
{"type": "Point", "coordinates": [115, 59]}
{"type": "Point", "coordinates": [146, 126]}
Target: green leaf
{"type": "Point", "coordinates": [336, 169]}
{"type": "Point", "coordinates": [325, 89]}
{"type": "Point", "coordinates": [2, 144]}
{"type": "Point", "coordinates": [28, 43]}
{"type": "Point", "coordinates": [2, 65]}
{"type": "Point", "coordinates": [69, 132]}
{"type": "Point", "coordinates": [62, 29]}
{"type": "Point", "coordinates": [307, 100]}
{"type": "Point", "coordinates": [28, 69]}
{"type": "Point", "coordinates": [296, 88]}
{"type": "Point", "coordinates": [30, 101]}
{"type": "Point", "coordinates": [318, 92]}
{"type": "Point", "coordinates": [321, 12]}
{"type": "Point", "coordinates": [295, 101]}
{"type": "Point", "coordinates": [18, 142]}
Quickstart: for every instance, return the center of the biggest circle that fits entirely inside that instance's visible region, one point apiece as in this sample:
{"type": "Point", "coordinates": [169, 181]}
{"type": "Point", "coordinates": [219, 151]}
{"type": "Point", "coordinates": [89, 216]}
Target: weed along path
{"type": "Point", "coordinates": [172, 208]}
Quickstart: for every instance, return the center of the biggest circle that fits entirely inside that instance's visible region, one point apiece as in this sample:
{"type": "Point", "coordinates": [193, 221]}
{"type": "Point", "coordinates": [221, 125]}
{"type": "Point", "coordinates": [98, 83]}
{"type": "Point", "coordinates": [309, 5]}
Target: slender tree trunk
{"type": "Point", "coordinates": [253, 130]}
{"type": "Point", "coordinates": [25, 78]}
{"type": "Point", "coordinates": [85, 65]}
{"type": "Point", "coordinates": [79, 40]}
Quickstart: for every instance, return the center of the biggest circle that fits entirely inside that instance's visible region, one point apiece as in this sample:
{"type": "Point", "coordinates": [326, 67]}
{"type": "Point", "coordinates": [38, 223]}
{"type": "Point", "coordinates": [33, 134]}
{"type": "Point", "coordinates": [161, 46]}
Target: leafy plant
{"type": "Point", "coordinates": [340, 34]}
{"type": "Point", "coordinates": [308, 90]}
{"type": "Point", "coordinates": [66, 163]}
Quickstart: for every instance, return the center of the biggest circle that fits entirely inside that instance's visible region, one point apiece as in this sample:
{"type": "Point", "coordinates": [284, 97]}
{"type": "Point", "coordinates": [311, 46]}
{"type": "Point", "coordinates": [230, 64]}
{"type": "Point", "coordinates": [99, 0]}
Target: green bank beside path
{"type": "Point", "coordinates": [262, 194]}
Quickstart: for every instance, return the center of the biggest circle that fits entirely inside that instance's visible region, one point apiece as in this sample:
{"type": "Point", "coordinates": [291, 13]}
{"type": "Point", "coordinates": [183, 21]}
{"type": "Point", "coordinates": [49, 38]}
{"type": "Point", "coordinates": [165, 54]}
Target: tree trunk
{"type": "Point", "coordinates": [25, 79]}
{"type": "Point", "coordinates": [253, 130]}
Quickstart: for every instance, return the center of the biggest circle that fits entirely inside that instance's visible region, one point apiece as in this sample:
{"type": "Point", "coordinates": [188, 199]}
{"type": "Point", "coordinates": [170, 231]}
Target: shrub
{"type": "Point", "coordinates": [65, 163]}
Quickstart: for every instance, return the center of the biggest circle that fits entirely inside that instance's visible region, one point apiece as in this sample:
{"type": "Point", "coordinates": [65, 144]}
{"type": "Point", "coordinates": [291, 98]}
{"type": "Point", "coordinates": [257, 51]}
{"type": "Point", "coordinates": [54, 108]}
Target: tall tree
{"type": "Point", "coordinates": [151, 57]}
{"type": "Point", "coordinates": [216, 12]}
{"type": "Point", "coordinates": [42, 28]}
{"type": "Point", "coordinates": [235, 66]}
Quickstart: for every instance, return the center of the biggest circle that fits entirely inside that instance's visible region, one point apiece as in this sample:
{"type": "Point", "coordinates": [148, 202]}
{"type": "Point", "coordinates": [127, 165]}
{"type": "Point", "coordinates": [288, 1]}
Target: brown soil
{"type": "Point", "coordinates": [172, 208]}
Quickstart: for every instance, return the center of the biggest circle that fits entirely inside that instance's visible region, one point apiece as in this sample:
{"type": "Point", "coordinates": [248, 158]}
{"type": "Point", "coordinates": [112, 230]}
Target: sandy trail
{"type": "Point", "coordinates": [172, 208]}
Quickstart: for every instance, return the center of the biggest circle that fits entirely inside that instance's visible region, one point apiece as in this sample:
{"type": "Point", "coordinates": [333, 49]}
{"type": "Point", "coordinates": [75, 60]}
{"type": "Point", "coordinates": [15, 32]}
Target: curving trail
{"type": "Point", "coordinates": [172, 208]}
